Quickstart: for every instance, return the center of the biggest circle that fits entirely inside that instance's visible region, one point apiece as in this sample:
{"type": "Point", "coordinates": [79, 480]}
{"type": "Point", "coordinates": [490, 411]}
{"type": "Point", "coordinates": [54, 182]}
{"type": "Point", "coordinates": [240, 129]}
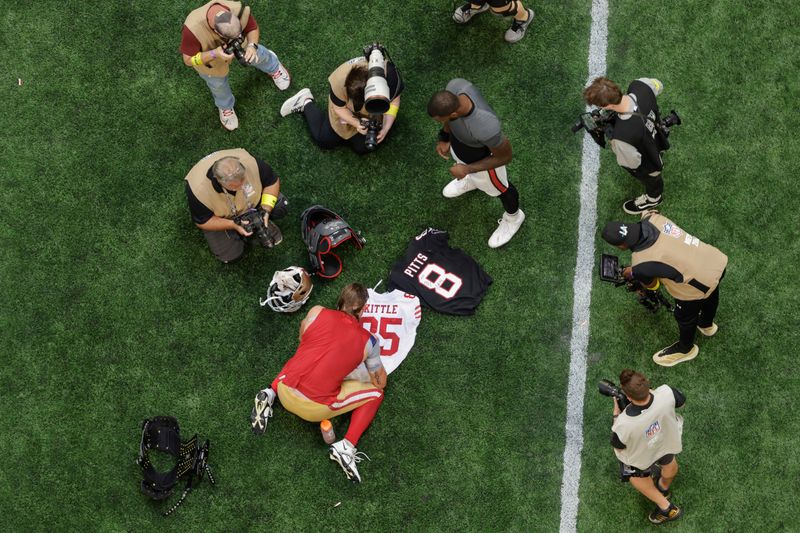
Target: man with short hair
{"type": "Point", "coordinates": [206, 32]}
{"type": "Point", "coordinates": [690, 269]}
{"type": "Point", "coordinates": [222, 186]}
{"type": "Point", "coordinates": [636, 139]}
{"type": "Point", "coordinates": [315, 383]}
{"type": "Point", "coordinates": [345, 121]}
{"type": "Point", "coordinates": [504, 8]}
{"type": "Point", "coordinates": [646, 437]}
{"type": "Point", "coordinates": [472, 135]}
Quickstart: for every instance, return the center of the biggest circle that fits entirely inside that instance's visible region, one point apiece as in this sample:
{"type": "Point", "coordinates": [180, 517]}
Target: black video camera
{"type": "Point", "coordinates": [611, 272]}
{"type": "Point", "coordinates": [597, 123]}
{"type": "Point", "coordinates": [608, 388]}
{"type": "Point", "coordinates": [253, 220]}
{"type": "Point", "coordinates": [234, 46]}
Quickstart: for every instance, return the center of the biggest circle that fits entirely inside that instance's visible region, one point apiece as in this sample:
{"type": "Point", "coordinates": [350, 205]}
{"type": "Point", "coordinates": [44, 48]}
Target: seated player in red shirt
{"type": "Point", "coordinates": [312, 383]}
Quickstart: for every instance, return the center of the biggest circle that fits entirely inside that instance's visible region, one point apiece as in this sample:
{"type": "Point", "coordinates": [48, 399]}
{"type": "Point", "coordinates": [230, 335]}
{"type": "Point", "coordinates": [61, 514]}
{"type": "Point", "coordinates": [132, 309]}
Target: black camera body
{"type": "Point", "coordinates": [608, 388]}
{"type": "Point", "coordinates": [373, 124]}
{"type": "Point", "coordinates": [253, 220]}
{"type": "Point", "coordinates": [611, 272]}
{"type": "Point", "coordinates": [234, 46]}
{"type": "Point", "coordinates": [599, 124]}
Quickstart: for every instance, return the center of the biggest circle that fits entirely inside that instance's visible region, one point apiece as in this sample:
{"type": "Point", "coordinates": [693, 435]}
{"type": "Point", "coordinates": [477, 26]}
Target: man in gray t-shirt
{"type": "Point", "coordinates": [472, 135]}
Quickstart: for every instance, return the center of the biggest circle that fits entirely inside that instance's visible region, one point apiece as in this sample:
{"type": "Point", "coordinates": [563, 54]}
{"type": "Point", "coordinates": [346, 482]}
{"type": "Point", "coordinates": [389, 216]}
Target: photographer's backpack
{"type": "Point", "coordinates": [162, 434]}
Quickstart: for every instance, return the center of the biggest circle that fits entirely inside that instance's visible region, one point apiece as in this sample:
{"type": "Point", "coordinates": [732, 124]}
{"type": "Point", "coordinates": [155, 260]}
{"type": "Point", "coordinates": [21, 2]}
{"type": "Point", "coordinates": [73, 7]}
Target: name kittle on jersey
{"type": "Point", "coordinates": [384, 309]}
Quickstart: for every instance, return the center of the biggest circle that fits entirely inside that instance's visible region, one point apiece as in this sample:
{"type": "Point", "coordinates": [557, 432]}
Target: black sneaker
{"type": "Point", "coordinates": [659, 517]}
{"type": "Point", "coordinates": [640, 204]}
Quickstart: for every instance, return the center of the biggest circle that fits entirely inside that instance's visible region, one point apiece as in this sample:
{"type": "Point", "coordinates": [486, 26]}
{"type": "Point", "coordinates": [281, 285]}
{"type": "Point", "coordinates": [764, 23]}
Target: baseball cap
{"type": "Point", "coordinates": [616, 233]}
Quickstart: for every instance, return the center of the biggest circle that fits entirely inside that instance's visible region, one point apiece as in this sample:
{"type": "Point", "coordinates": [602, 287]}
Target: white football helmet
{"type": "Point", "coordinates": [288, 290]}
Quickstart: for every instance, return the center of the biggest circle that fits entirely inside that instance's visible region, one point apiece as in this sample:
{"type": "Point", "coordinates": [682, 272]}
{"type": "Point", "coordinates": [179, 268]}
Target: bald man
{"type": "Point", "coordinates": [222, 186]}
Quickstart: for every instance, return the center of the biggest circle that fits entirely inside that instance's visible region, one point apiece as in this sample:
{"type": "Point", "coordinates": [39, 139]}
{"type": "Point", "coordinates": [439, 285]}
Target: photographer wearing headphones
{"type": "Point", "coordinates": [646, 437]}
{"type": "Point", "coordinates": [232, 196]}
{"type": "Point", "coordinates": [212, 36]}
{"type": "Point", "coordinates": [690, 269]}
{"type": "Point", "coordinates": [362, 105]}
{"type": "Point", "coordinates": [635, 132]}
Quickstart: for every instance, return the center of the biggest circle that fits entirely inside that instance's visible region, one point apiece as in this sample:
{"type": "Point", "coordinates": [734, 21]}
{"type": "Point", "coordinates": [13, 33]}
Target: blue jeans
{"type": "Point", "coordinates": [266, 61]}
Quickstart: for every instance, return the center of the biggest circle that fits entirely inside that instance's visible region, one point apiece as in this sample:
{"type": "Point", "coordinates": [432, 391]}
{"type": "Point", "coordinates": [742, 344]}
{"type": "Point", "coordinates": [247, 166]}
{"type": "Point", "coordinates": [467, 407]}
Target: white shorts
{"type": "Point", "coordinates": [493, 182]}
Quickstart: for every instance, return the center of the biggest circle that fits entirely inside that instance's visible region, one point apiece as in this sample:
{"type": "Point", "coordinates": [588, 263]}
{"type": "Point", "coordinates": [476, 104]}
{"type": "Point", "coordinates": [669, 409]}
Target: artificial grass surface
{"type": "Point", "coordinates": [114, 309]}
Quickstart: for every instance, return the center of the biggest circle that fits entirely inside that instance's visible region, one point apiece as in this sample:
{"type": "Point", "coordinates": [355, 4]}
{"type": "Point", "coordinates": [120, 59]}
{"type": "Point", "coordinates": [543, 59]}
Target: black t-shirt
{"type": "Point", "coordinates": [202, 214]}
{"type": "Point", "coordinates": [640, 130]}
{"type": "Point", "coordinates": [393, 80]}
{"type": "Point", "coordinates": [636, 410]}
{"type": "Point", "coordinates": [445, 279]}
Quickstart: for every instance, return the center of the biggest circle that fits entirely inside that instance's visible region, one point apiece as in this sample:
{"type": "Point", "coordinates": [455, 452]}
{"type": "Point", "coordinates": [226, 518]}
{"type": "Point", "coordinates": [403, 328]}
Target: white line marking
{"type": "Point", "coordinates": [582, 287]}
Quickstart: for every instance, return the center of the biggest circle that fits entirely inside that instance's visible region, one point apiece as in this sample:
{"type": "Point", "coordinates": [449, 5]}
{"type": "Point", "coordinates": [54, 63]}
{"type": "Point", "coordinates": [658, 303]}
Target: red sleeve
{"type": "Point", "coordinates": [251, 25]}
{"type": "Point", "coordinates": [189, 43]}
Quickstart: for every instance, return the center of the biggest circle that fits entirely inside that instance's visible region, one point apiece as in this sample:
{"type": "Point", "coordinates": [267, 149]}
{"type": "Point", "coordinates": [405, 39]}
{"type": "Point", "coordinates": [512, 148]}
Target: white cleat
{"type": "Point", "coordinates": [262, 410]}
{"type": "Point", "coordinates": [508, 226]}
{"type": "Point", "coordinates": [464, 14]}
{"type": "Point", "coordinates": [348, 457]}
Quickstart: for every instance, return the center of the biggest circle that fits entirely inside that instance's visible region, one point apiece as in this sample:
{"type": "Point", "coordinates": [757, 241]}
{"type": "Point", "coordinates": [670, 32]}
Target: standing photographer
{"type": "Point", "coordinates": [646, 437]}
{"type": "Point", "coordinates": [225, 185]}
{"type": "Point", "coordinates": [212, 29]}
{"type": "Point", "coordinates": [690, 269]}
{"type": "Point", "coordinates": [348, 120]}
{"type": "Point", "coordinates": [635, 137]}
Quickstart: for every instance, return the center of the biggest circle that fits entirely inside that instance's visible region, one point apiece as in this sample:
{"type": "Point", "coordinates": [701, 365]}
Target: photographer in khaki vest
{"type": "Point", "coordinates": [346, 119]}
{"type": "Point", "coordinates": [646, 436]}
{"type": "Point", "coordinates": [211, 29]}
{"type": "Point", "coordinates": [225, 185]}
{"type": "Point", "coordinates": [689, 269]}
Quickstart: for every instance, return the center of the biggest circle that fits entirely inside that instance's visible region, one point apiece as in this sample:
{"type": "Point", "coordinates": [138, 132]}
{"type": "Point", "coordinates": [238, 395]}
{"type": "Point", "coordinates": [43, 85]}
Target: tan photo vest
{"type": "Point", "coordinates": [221, 203]}
{"type": "Point", "coordinates": [336, 80]}
{"type": "Point", "coordinates": [197, 23]}
{"type": "Point", "coordinates": [651, 435]}
{"type": "Point", "coordinates": [700, 264]}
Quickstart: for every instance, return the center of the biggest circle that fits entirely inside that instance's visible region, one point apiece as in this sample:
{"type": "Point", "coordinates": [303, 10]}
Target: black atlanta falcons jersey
{"type": "Point", "coordinates": [445, 279]}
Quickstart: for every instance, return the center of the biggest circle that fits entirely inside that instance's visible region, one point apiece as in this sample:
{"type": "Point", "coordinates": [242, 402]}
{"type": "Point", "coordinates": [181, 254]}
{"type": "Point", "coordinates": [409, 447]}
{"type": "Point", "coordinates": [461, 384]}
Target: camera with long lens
{"type": "Point", "coordinates": [253, 220]}
{"type": "Point", "coordinates": [599, 123]}
{"type": "Point", "coordinates": [608, 388]}
{"type": "Point", "coordinates": [376, 92]}
{"type": "Point", "coordinates": [234, 46]}
{"type": "Point", "coordinates": [611, 272]}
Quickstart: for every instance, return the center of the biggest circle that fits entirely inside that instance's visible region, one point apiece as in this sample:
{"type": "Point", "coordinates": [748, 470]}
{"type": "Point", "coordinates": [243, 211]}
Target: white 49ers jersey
{"type": "Point", "coordinates": [393, 317]}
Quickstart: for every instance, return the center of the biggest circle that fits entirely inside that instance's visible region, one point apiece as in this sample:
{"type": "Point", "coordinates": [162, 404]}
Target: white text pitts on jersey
{"type": "Point", "coordinates": [415, 265]}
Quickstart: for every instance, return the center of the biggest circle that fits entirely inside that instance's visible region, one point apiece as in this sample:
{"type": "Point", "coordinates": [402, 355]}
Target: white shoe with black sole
{"type": "Point", "coordinates": [348, 457]}
{"type": "Point", "coordinates": [262, 410]}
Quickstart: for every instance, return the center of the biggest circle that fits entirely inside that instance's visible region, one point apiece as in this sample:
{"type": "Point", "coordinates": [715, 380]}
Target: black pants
{"type": "Point", "coordinates": [653, 185]}
{"type": "Point", "coordinates": [319, 126]}
{"type": "Point", "coordinates": [693, 313]}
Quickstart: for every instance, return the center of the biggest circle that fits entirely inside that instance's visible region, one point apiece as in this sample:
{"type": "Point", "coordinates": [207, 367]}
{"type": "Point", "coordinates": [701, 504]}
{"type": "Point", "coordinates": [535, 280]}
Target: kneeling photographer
{"type": "Point", "coordinates": [646, 436]}
{"type": "Point", "coordinates": [690, 270]}
{"type": "Point", "coordinates": [637, 134]}
{"type": "Point", "coordinates": [233, 196]}
{"type": "Point", "coordinates": [362, 105]}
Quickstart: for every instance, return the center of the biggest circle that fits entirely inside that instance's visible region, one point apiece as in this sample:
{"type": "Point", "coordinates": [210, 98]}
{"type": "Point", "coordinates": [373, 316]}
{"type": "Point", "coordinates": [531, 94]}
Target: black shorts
{"type": "Point", "coordinates": [627, 471]}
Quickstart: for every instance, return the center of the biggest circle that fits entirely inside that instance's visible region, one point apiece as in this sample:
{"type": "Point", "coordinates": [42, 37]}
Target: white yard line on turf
{"type": "Point", "coordinates": [582, 287]}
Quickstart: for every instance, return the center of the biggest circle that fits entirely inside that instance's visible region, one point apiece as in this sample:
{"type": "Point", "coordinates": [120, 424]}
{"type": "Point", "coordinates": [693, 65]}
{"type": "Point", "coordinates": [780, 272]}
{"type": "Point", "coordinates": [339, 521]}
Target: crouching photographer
{"type": "Point", "coordinates": [636, 132]}
{"type": "Point", "coordinates": [646, 436]}
{"type": "Point", "coordinates": [362, 105]}
{"type": "Point", "coordinates": [689, 269]}
{"type": "Point", "coordinates": [233, 196]}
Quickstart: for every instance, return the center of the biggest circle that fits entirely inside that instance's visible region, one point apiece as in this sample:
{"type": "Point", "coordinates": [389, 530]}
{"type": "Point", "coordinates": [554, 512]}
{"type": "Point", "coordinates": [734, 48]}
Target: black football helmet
{"type": "Point", "coordinates": [323, 230]}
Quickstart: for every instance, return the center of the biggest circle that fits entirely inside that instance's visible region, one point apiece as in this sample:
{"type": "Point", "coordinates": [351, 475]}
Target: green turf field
{"type": "Point", "coordinates": [114, 310]}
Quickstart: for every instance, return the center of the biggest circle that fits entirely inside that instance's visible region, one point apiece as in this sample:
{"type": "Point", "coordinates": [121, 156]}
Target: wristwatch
{"type": "Point", "coordinates": [254, 45]}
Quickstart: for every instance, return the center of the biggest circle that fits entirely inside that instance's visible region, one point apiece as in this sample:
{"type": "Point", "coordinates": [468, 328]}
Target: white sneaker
{"type": "Point", "coordinates": [296, 103]}
{"type": "Point", "coordinates": [348, 457]}
{"type": "Point", "coordinates": [464, 13]}
{"type": "Point", "coordinates": [458, 187]}
{"type": "Point", "coordinates": [281, 77]}
{"type": "Point", "coordinates": [229, 119]}
{"type": "Point", "coordinates": [509, 225]}
{"type": "Point", "coordinates": [262, 410]}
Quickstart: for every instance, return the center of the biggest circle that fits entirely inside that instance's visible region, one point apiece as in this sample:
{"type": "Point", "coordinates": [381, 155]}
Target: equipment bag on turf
{"type": "Point", "coordinates": [162, 434]}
